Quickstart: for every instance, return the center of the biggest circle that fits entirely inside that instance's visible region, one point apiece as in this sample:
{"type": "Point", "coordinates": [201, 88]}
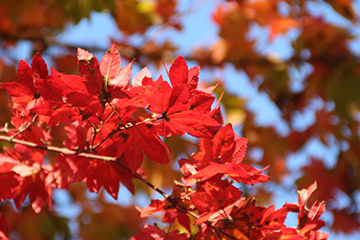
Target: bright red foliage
{"type": "Point", "coordinates": [106, 142]}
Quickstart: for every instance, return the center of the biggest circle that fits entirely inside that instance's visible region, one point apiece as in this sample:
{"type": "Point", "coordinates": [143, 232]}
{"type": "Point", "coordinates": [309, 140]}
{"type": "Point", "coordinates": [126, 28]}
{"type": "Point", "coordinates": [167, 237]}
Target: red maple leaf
{"type": "Point", "coordinates": [90, 70]}
{"type": "Point", "coordinates": [138, 139]}
{"type": "Point", "coordinates": [24, 91]}
{"type": "Point", "coordinates": [36, 182]}
{"type": "Point", "coordinates": [308, 219]}
{"type": "Point", "coordinates": [62, 172]}
{"type": "Point", "coordinates": [155, 206]}
{"type": "Point", "coordinates": [99, 173]}
{"type": "Point", "coordinates": [115, 76]}
{"type": "Point", "coordinates": [25, 167]}
{"type": "Point", "coordinates": [154, 233]}
{"type": "Point", "coordinates": [181, 116]}
{"type": "Point", "coordinates": [221, 146]}
{"type": "Point", "coordinates": [138, 79]}
{"type": "Point", "coordinates": [180, 74]}
{"type": "Point", "coordinates": [211, 198]}
{"type": "Point", "coordinates": [8, 180]}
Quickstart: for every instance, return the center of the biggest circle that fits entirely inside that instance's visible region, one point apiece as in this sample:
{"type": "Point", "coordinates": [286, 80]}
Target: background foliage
{"type": "Point", "coordinates": [311, 88]}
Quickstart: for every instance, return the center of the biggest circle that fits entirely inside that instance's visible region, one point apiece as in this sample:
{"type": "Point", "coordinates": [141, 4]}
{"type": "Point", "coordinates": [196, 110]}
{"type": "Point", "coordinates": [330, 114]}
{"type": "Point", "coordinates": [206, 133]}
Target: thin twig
{"type": "Point", "coordinates": [67, 151]}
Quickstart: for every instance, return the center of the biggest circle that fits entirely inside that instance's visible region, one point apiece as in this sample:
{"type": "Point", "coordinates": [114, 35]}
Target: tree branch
{"type": "Point", "coordinates": [67, 151]}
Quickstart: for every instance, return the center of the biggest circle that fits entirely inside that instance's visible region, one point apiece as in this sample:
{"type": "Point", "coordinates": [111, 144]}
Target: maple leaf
{"type": "Point", "coordinates": [193, 77]}
{"type": "Point", "coordinates": [211, 198]}
{"type": "Point", "coordinates": [32, 176]}
{"type": "Point", "coordinates": [62, 172]}
{"type": "Point", "coordinates": [8, 180]}
{"type": "Point", "coordinates": [114, 76]}
{"type": "Point", "coordinates": [140, 76]}
{"type": "Point", "coordinates": [308, 220]}
{"type": "Point", "coordinates": [233, 221]}
{"type": "Point", "coordinates": [65, 114]}
{"type": "Point", "coordinates": [110, 63]}
{"type": "Point", "coordinates": [132, 142]}
{"type": "Point", "coordinates": [195, 124]}
{"type": "Point", "coordinates": [268, 222]}
{"type": "Point", "coordinates": [178, 72]}
{"type": "Point", "coordinates": [52, 89]}
{"type": "Point", "coordinates": [98, 173]}
{"type": "Point", "coordinates": [24, 91]}
{"type": "Point", "coordinates": [181, 111]}
{"type": "Point", "coordinates": [170, 215]}
{"type": "Point", "coordinates": [38, 67]}
{"type": "Point", "coordinates": [225, 146]}
{"type": "Point", "coordinates": [159, 98]}
{"type": "Point", "coordinates": [36, 182]}
{"type": "Point", "coordinates": [307, 217]}
{"type": "Point", "coordinates": [183, 117]}
{"type": "Point", "coordinates": [57, 90]}
{"type": "Point", "coordinates": [237, 171]}
{"type": "Point", "coordinates": [90, 70]}
{"type": "Point", "coordinates": [155, 206]}
{"type": "Point", "coordinates": [153, 232]}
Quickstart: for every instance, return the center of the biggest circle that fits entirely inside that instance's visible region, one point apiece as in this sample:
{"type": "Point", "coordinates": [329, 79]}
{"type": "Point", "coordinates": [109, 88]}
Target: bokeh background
{"type": "Point", "coordinates": [289, 70]}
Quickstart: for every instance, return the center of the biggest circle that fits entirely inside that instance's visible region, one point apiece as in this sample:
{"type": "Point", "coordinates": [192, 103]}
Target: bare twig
{"type": "Point", "coordinates": [67, 151]}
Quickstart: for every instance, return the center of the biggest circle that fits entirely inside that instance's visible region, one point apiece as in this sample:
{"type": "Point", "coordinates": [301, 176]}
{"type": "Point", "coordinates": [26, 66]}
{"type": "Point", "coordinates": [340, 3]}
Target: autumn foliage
{"type": "Point", "coordinates": [285, 73]}
{"type": "Point", "coordinates": [111, 122]}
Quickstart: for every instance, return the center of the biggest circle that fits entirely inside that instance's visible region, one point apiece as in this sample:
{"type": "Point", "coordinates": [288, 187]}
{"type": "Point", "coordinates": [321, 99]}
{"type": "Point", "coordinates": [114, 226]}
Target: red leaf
{"type": "Point", "coordinates": [45, 109]}
{"type": "Point", "coordinates": [98, 173]}
{"type": "Point", "coordinates": [19, 93]}
{"type": "Point", "coordinates": [25, 92]}
{"type": "Point", "coordinates": [195, 124]}
{"type": "Point", "coordinates": [178, 71]}
{"type": "Point", "coordinates": [90, 70]}
{"type": "Point", "coordinates": [52, 89]}
{"type": "Point", "coordinates": [180, 95]}
{"type": "Point", "coordinates": [36, 182]}
{"type": "Point", "coordinates": [156, 205]}
{"type": "Point", "coordinates": [304, 196]}
{"type": "Point", "coordinates": [137, 139]}
{"type": "Point", "coordinates": [8, 180]}
{"type": "Point", "coordinates": [25, 76]}
{"type": "Point", "coordinates": [201, 102]}
{"type": "Point", "coordinates": [237, 171]}
{"type": "Point", "coordinates": [170, 216]}
{"type": "Point", "coordinates": [38, 67]}
{"type": "Point", "coordinates": [62, 172]}
{"type": "Point", "coordinates": [223, 143]}
{"type": "Point", "coordinates": [211, 199]}
{"type": "Point", "coordinates": [110, 63]}
{"type": "Point", "coordinates": [123, 78]}
{"type": "Point", "coordinates": [78, 99]}
{"type": "Point", "coordinates": [154, 233]}
{"type": "Point", "coordinates": [65, 115]}
{"type": "Point", "coordinates": [240, 148]}
{"type": "Point", "coordinates": [94, 108]}
{"type": "Point", "coordinates": [184, 221]}
{"type": "Point", "coordinates": [193, 78]}
{"type": "Point", "coordinates": [138, 78]}
{"type": "Point", "coordinates": [159, 98]}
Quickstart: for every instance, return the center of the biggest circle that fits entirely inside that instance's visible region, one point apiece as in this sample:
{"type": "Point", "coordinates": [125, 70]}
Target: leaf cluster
{"type": "Point", "coordinates": [111, 122]}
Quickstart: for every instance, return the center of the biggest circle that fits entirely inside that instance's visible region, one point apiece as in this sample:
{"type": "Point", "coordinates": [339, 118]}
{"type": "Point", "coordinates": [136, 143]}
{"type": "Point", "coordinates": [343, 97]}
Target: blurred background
{"type": "Point", "coordinates": [290, 71]}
